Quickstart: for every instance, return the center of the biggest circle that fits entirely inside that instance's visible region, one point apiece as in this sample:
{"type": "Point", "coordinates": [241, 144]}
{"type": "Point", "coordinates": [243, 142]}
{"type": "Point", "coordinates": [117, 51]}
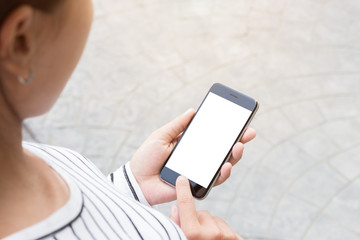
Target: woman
{"type": "Point", "coordinates": [54, 193]}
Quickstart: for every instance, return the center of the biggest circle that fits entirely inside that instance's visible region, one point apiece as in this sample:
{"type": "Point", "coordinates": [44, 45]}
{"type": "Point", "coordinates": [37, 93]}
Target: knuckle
{"type": "Point", "coordinates": [185, 199]}
{"type": "Point", "coordinates": [218, 234]}
{"type": "Point", "coordinates": [232, 235]}
{"type": "Point", "coordinates": [202, 215]}
{"type": "Point", "coordinates": [155, 132]}
{"type": "Point", "coordinates": [193, 234]}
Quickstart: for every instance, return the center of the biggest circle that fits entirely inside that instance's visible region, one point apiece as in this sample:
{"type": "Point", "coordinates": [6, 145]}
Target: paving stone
{"type": "Point", "coordinates": [35, 129]}
{"type": "Point", "coordinates": [69, 107]}
{"type": "Point", "coordinates": [99, 112]}
{"type": "Point", "coordinates": [81, 82]}
{"type": "Point", "coordinates": [318, 185]}
{"type": "Point", "coordinates": [302, 11]}
{"type": "Point", "coordinates": [260, 43]}
{"type": "Point", "coordinates": [214, 206]}
{"type": "Point", "coordinates": [330, 29]}
{"type": "Point", "coordinates": [294, 35]}
{"type": "Point", "coordinates": [160, 87]}
{"type": "Point", "coordinates": [148, 61]}
{"type": "Point", "coordinates": [267, 6]}
{"type": "Point", "coordinates": [263, 21]}
{"type": "Point", "coordinates": [229, 52]}
{"type": "Point", "coordinates": [281, 64]}
{"type": "Point", "coordinates": [288, 160]}
{"type": "Point", "coordinates": [101, 146]}
{"type": "Point", "coordinates": [116, 85]}
{"type": "Point", "coordinates": [328, 60]}
{"type": "Point", "coordinates": [124, 154]}
{"type": "Point", "coordinates": [342, 84]}
{"type": "Point", "coordinates": [196, 68]}
{"type": "Point", "coordinates": [246, 74]}
{"type": "Point", "coordinates": [227, 191]}
{"type": "Point", "coordinates": [291, 218]}
{"type": "Point", "coordinates": [346, 163]}
{"type": "Point", "coordinates": [255, 150]}
{"type": "Point", "coordinates": [280, 129]}
{"type": "Point", "coordinates": [344, 132]}
{"type": "Point", "coordinates": [327, 229]}
{"type": "Point", "coordinates": [303, 115]}
{"type": "Point", "coordinates": [265, 97]}
{"type": "Point", "coordinates": [338, 107]}
{"type": "Point", "coordinates": [250, 218]}
{"type": "Point", "coordinates": [241, 7]}
{"type": "Point", "coordinates": [345, 207]}
{"type": "Point", "coordinates": [102, 8]}
{"type": "Point", "coordinates": [297, 89]}
{"type": "Point", "coordinates": [132, 112]}
{"type": "Point", "coordinates": [263, 185]}
{"type": "Point", "coordinates": [316, 144]}
{"type": "Point", "coordinates": [72, 138]}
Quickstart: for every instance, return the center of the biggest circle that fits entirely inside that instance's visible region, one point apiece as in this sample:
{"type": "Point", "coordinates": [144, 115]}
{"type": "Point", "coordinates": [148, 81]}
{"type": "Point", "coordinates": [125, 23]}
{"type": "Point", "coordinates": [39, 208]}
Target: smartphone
{"type": "Point", "coordinates": [207, 142]}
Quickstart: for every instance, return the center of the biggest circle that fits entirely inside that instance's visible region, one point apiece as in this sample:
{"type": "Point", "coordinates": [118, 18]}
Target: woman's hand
{"type": "Point", "coordinates": [152, 154]}
{"type": "Point", "coordinates": [197, 224]}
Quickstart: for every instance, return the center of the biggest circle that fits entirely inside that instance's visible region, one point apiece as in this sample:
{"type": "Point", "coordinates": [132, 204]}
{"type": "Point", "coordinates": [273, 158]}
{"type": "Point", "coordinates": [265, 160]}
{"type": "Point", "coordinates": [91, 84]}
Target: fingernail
{"type": "Point", "coordinates": [182, 179]}
{"type": "Point", "coordinates": [188, 111]}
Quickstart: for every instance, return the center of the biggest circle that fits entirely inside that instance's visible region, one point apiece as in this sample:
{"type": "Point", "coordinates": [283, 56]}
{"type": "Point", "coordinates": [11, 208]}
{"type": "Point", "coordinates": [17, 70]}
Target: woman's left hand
{"type": "Point", "coordinates": [148, 160]}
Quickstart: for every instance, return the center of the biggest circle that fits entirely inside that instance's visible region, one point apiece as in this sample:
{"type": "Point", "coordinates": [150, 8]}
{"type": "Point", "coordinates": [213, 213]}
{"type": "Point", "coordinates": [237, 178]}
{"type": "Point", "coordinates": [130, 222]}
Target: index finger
{"type": "Point", "coordinates": [186, 203]}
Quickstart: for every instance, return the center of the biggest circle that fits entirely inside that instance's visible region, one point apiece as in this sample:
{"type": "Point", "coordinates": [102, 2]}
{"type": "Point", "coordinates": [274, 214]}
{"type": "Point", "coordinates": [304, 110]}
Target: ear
{"type": "Point", "coordinates": [16, 41]}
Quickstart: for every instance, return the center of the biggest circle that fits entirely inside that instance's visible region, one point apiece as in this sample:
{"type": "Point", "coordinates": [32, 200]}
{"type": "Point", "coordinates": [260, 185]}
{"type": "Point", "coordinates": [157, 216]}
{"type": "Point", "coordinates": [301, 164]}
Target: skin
{"type": "Point", "coordinates": [197, 225]}
{"type": "Point", "coordinates": [50, 44]}
{"type": "Point", "coordinates": [158, 147]}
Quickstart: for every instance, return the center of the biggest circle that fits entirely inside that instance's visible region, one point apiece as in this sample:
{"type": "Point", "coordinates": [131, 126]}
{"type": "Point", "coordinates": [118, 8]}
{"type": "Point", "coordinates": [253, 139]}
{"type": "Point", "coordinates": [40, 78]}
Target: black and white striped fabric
{"type": "Point", "coordinates": [97, 209]}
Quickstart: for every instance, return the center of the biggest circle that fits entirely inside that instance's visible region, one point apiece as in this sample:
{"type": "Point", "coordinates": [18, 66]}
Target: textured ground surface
{"type": "Point", "coordinates": [149, 60]}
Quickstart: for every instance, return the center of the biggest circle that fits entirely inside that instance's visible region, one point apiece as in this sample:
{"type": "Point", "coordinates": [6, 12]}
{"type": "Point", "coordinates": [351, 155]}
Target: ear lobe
{"type": "Point", "coordinates": [16, 40]}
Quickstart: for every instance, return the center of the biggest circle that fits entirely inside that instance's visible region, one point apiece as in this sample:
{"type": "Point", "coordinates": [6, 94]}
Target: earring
{"type": "Point", "coordinates": [27, 80]}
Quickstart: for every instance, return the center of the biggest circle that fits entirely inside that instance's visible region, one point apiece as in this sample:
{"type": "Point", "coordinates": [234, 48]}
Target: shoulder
{"type": "Point", "coordinates": [62, 156]}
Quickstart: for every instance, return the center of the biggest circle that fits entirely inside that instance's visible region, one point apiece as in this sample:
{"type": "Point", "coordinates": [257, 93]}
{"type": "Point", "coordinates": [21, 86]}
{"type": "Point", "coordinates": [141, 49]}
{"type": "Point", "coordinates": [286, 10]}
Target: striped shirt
{"type": "Point", "coordinates": [97, 208]}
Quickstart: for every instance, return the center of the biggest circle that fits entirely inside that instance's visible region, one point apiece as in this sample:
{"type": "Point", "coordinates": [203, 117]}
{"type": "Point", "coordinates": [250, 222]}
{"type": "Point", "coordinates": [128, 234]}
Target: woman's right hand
{"type": "Point", "coordinates": [197, 224]}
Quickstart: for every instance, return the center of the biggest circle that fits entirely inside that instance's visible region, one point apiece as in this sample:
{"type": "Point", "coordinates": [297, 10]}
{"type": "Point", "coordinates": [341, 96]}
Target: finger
{"type": "Point", "coordinates": [209, 225]}
{"type": "Point", "coordinates": [186, 204]}
{"type": "Point", "coordinates": [226, 231]}
{"type": "Point", "coordinates": [238, 237]}
{"type": "Point", "coordinates": [236, 153]}
{"type": "Point", "coordinates": [173, 129]}
{"type": "Point", "coordinates": [249, 135]}
{"type": "Point", "coordinates": [174, 215]}
{"type": "Point", "coordinates": [224, 173]}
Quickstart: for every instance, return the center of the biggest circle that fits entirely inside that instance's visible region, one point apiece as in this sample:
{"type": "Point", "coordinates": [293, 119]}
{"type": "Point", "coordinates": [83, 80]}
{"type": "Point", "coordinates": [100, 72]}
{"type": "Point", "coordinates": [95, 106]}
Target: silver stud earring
{"type": "Point", "coordinates": [27, 80]}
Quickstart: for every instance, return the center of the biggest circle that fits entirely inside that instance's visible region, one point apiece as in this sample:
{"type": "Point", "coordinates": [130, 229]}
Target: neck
{"type": "Point", "coordinates": [26, 195]}
{"type": "Point", "coordinates": [11, 153]}
{"type": "Point", "coordinates": [30, 191]}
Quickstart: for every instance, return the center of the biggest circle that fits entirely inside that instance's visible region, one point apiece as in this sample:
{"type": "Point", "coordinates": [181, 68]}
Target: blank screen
{"type": "Point", "coordinates": [208, 139]}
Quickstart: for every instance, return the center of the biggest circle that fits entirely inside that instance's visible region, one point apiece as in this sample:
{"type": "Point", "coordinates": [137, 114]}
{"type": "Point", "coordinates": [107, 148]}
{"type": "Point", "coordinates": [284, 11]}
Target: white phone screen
{"type": "Point", "coordinates": [208, 139]}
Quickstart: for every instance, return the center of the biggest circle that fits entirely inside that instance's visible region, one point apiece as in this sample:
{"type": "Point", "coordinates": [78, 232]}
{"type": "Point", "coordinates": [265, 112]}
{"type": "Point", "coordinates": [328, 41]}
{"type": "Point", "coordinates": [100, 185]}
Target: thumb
{"type": "Point", "coordinates": [173, 129]}
{"type": "Point", "coordinates": [174, 215]}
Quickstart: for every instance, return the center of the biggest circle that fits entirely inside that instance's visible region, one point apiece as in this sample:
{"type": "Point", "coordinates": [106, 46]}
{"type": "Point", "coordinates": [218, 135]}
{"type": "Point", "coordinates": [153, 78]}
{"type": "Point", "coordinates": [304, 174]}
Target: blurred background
{"type": "Point", "coordinates": [148, 61]}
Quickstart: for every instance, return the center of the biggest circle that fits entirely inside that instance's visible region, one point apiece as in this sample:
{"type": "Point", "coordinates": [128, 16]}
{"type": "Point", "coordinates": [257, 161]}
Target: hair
{"type": "Point", "coordinates": [7, 6]}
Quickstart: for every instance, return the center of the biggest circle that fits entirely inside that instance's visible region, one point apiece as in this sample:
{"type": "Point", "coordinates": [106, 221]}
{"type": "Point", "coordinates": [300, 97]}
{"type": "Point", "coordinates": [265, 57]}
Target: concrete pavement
{"type": "Point", "coordinates": [148, 61]}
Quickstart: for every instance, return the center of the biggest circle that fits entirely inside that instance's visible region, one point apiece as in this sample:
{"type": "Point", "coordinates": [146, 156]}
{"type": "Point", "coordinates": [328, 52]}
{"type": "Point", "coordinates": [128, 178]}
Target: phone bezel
{"type": "Point", "coordinates": [169, 176]}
